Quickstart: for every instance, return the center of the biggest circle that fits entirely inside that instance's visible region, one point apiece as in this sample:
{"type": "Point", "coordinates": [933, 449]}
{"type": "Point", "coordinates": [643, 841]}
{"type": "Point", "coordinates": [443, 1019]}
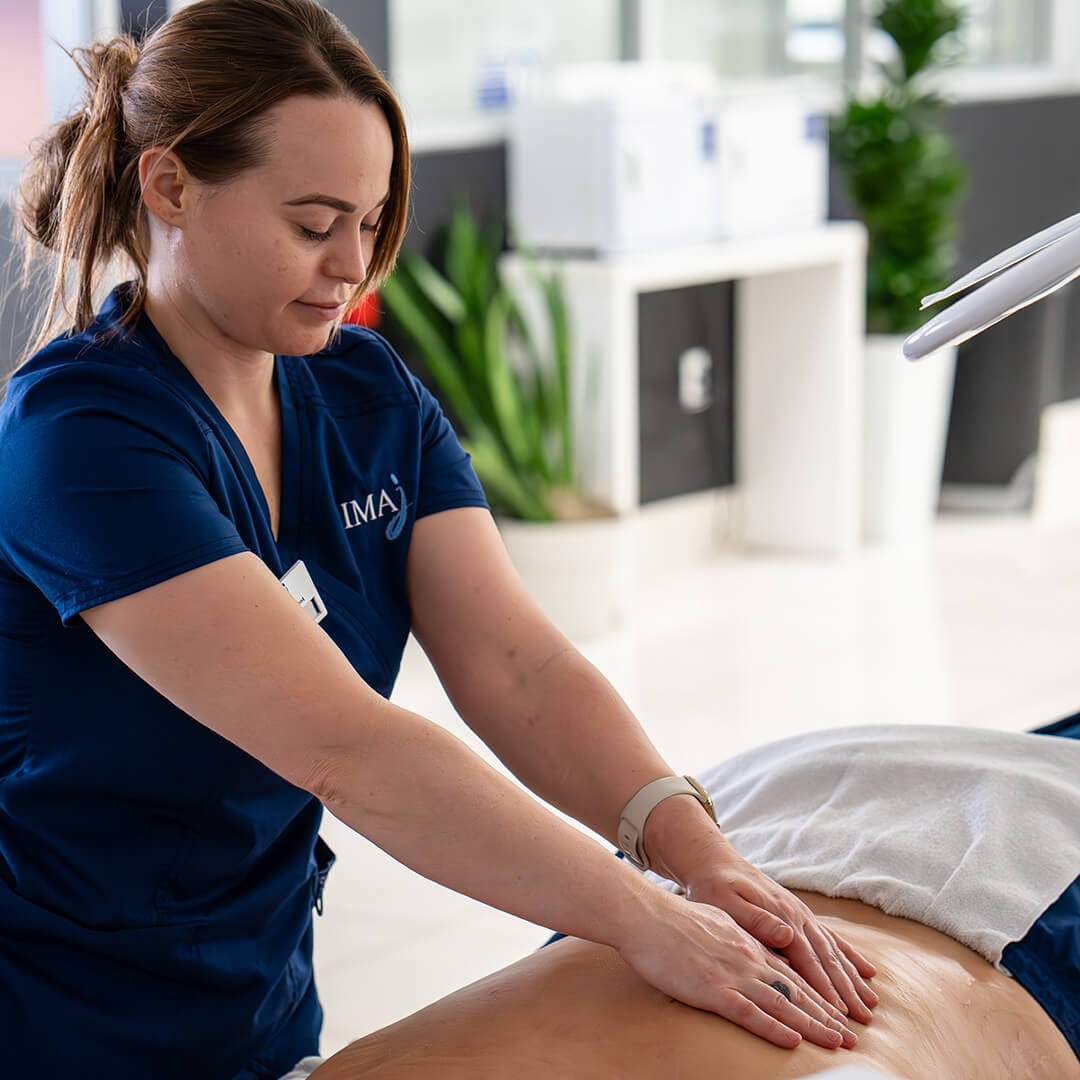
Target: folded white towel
{"type": "Point", "coordinates": [974, 833]}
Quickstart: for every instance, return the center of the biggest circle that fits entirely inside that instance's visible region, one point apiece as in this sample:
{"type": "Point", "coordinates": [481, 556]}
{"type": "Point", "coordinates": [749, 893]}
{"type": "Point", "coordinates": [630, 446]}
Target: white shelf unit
{"type": "Point", "coordinates": [799, 332]}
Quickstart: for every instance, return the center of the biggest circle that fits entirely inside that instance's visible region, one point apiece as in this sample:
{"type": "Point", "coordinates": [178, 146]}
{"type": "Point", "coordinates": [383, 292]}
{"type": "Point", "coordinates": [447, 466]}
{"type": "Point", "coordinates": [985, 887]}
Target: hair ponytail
{"type": "Point", "coordinates": [198, 86]}
{"type": "Point", "coordinates": [79, 195]}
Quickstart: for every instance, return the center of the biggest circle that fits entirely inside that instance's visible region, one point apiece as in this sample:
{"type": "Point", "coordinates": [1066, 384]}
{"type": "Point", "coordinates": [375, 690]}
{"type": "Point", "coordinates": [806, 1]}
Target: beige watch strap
{"type": "Point", "coordinates": [637, 810]}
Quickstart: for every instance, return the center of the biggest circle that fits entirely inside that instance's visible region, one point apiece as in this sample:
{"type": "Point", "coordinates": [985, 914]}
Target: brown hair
{"type": "Point", "coordinates": [199, 86]}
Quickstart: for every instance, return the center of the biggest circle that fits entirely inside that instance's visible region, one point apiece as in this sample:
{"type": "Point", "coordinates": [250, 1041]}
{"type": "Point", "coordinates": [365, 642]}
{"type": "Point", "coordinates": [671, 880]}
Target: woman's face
{"type": "Point", "coordinates": [253, 256]}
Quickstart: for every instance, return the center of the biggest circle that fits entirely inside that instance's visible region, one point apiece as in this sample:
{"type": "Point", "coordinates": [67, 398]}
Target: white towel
{"type": "Point", "coordinates": [303, 1068]}
{"type": "Point", "coordinates": [974, 833]}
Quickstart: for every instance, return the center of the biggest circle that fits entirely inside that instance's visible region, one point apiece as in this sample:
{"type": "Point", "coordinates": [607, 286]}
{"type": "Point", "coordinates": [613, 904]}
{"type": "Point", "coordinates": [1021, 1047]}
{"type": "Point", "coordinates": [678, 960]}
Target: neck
{"type": "Point", "coordinates": [239, 380]}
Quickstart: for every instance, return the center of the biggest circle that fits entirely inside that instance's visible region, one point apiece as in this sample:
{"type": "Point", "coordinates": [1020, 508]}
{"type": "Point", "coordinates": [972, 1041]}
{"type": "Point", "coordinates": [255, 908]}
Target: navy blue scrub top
{"type": "Point", "coordinates": [156, 881]}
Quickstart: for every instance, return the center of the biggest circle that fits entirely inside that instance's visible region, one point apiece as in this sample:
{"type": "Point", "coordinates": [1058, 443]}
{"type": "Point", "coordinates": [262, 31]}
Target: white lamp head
{"type": "Point", "coordinates": [1022, 274]}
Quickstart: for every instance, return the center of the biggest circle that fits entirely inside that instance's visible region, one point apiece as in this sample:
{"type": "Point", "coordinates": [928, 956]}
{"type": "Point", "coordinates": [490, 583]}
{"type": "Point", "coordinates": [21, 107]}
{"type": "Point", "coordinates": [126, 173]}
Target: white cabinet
{"type": "Point", "coordinates": [799, 332]}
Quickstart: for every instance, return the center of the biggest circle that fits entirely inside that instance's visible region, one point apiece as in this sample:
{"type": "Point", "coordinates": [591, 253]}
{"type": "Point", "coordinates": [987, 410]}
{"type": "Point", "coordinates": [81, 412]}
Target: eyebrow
{"type": "Point", "coordinates": [331, 201]}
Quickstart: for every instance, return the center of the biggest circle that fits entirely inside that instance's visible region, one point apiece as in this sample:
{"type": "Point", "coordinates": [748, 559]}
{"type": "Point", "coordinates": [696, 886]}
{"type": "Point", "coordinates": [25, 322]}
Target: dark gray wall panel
{"type": "Point", "coordinates": [367, 19]}
{"type": "Point", "coordinates": [683, 452]}
{"type": "Point", "coordinates": [1070, 374]}
{"type": "Point", "coordinates": [475, 178]}
{"type": "Point", "coordinates": [369, 22]}
{"type": "Point", "coordinates": [1001, 390]}
{"type": "Point", "coordinates": [139, 17]}
{"type": "Point", "coordinates": [1024, 169]}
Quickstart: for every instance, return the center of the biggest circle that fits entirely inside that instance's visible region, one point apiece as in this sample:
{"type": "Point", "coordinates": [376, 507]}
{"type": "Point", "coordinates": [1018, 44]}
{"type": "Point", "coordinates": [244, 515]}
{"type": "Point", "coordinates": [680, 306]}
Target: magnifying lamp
{"type": "Point", "coordinates": [1017, 277]}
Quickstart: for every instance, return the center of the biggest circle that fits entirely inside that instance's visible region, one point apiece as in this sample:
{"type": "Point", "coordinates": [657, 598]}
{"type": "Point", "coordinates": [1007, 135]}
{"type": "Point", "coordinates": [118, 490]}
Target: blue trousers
{"type": "Point", "coordinates": [1046, 962]}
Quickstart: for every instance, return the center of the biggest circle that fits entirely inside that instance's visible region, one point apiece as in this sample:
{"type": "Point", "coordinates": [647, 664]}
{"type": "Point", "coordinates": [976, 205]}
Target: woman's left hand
{"type": "Point", "coordinates": [780, 920]}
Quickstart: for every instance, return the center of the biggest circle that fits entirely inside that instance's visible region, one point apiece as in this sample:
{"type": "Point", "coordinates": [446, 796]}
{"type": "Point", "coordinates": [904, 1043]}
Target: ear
{"type": "Point", "coordinates": [166, 185]}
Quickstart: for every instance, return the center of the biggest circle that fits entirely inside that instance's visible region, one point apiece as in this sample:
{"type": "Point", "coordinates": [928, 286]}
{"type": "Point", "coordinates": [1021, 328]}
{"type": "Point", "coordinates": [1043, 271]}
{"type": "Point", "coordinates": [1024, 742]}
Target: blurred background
{"type": "Point", "coordinates": [752, 516]}
{"type": "Point", "coordinates": [464, 71]}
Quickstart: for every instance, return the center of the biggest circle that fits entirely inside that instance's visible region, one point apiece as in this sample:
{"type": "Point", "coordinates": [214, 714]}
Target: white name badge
{"type": "Point", "coordinates": [298, 584]}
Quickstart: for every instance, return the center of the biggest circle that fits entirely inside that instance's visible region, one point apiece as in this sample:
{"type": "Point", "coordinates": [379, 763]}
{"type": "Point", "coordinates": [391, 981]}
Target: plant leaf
{"type": "Point", "coordinates": [509, 387]}
{"type": "Point", "coordinates": [503, 483]}
{"type": "Point", "coordinates": [461, 253]}
{"type": "Point", "coordinates": [439, 354]}
{"type": "Point", "coordinates": [560, 339]}
{"type": "Point", "coordinates": [505, 392]}
{"type": "Point", "coordinates": [537, 412]}
{"type": "Point", "coordinates": [433, 286]}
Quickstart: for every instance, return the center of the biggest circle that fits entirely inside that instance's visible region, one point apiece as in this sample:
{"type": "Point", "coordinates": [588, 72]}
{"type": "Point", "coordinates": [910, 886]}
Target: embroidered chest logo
{"type": "Point", "coordinates": [371, 509]}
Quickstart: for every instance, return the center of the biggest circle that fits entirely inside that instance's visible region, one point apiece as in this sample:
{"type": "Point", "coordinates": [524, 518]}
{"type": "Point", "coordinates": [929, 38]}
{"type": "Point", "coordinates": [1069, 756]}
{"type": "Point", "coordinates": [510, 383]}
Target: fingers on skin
{"type": "Point", "coordinates": [862, 965]}
{"type": "Point", "coordinates": [768, 928]}
{"type": "Point", "coordinates": [741, 1010]}
{"type": "Point", "coordinates": [865, 992]}
{"type": "Point", "coordinates": [841, 973]}
{"type": "Point", "coordinates": [807, 956]}
{"type": "Point", "coordinates": [806, 960]}
{"type": "Point", "coordinates": [809, 1000]}
{"type": "Point", "coordinates": [785, 971]}
{"type": "Point", "coordinates": [795, 1015]}
{"type": "Point", "coordinates": [787, 974]}
{"type": "Point", "coordinates": [750, 909]}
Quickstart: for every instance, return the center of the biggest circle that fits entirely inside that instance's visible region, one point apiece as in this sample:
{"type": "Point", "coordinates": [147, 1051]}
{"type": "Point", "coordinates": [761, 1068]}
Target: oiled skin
{"type": "Point", "coordinates": [575, 1010]}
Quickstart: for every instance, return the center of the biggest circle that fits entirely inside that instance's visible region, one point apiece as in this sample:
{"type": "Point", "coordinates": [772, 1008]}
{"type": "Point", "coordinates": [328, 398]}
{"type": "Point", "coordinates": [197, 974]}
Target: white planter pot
{"type": "Point", "coordinates": [581, 573]}
{"type": "Point", "coordinates": [905, 418]}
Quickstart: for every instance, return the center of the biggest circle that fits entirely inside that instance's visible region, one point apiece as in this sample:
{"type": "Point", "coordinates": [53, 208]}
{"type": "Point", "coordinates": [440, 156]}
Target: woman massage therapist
{"type": "Point", "coordinates": [171, 719]}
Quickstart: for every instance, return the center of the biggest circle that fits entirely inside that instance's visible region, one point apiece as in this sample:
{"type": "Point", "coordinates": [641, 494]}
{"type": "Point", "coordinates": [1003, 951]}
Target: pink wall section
{"type": "Point", "coordinates": [22, 77]}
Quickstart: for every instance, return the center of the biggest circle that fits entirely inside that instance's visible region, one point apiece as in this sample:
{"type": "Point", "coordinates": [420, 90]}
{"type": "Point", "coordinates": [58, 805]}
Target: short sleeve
{"type": "Point", "coordinates": [447, 478]}
{"type": "Point", "coordinates": [104, 489]}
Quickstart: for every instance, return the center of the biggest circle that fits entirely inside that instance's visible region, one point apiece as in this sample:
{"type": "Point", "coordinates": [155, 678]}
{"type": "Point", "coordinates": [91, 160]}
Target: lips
{"type": "Point", "coordinates": [331, 305]}
{"type": "Point", "coordinates": [323, 313]}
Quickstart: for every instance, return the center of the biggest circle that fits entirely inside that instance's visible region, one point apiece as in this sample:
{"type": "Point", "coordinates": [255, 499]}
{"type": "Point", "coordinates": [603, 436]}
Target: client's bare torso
{"type": "Point", "coordinates": [575, 1010]}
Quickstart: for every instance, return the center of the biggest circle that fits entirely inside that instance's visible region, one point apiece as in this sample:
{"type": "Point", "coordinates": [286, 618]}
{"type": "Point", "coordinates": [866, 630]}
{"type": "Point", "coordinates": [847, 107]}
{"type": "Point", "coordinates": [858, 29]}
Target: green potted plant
{"type": "Point", "coordinates": [905, 184]}
{"type": "Point", "coordinates": [501, 360]}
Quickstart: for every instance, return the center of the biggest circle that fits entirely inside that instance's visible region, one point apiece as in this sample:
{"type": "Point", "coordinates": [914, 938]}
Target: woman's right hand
{"type": "Point", "coordinates": [699, 955]}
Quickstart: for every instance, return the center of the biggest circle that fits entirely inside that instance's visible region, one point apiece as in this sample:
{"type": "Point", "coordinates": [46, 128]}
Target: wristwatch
{"type": "Point", "coordinates": [637, 810]}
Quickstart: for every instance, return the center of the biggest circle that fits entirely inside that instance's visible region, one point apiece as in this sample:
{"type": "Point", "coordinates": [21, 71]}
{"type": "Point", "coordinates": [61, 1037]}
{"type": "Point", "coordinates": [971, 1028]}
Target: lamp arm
{"type": "Point", "coordinates": [1006, 258]}
{"type": "Point", "coordinates": [1024, 280]}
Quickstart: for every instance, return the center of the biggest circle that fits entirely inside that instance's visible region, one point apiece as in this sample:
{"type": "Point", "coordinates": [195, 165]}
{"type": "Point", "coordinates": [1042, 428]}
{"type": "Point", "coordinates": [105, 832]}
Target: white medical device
{"type": "Point", "coordinates": [631, 156]}
{"type": "Point", "coordinates": [611, 158]}
{"type": "Point", "coordinates": [1021, 275]}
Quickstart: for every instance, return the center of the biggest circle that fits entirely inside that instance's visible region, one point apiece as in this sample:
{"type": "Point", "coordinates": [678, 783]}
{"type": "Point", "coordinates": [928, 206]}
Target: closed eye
{"type": "Point", "coordinates": [321, 236]}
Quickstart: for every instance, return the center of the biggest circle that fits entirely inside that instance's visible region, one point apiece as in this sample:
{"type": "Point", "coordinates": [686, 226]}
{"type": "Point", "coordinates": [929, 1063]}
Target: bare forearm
{"type": "Point", "coordinates": [571, 738]}
{"type": "Point", "coordinates": [422, 796]}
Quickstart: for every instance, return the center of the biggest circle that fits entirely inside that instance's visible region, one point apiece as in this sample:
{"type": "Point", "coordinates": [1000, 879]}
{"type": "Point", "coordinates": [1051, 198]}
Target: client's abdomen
{"type": "Point", "coordinates": [574, 1010]}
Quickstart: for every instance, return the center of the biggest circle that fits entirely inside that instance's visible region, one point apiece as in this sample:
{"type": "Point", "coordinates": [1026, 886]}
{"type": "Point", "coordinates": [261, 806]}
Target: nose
{"type": "Point", "coordinates": [349, 258]}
